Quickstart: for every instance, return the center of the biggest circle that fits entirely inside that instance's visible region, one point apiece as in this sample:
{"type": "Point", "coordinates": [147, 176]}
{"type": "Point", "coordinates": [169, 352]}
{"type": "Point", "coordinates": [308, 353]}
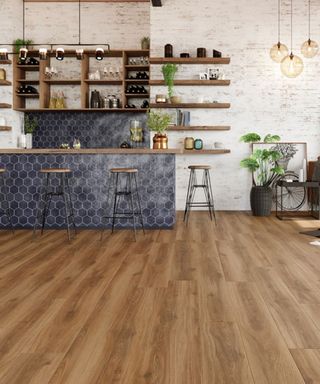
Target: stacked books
{"type": "Point", "coordinates": [183, 118]}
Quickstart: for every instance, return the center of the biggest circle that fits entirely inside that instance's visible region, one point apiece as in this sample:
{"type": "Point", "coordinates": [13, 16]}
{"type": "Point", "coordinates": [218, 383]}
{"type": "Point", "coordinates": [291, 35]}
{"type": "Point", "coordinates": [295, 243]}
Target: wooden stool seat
{"type": "Point", "coordinates": [2, 170]}
{"type": "Point", "coordinates": [55, 170]}
{"type": "Point", "coordinates": [123, 170]}
{"type": "Point", "coordinates": [199, 167]}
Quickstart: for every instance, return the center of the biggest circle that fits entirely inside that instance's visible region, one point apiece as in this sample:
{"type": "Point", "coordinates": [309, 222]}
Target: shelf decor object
{"type": "Point", "coordinates": [279, 50]}
{"type": "Point", "coordinates": [309, 48]}
{"type": "Point", "coordinates": [291, 65]}
{"type": "Point", "coordinates": [190, 60]}
{"type": "Point", "coordinates": [190, 105]}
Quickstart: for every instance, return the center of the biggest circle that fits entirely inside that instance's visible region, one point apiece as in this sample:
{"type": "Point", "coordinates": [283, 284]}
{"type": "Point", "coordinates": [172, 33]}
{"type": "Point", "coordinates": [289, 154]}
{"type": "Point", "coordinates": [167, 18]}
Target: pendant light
{"type": "Point", "coordinates": [23, 51]}
{"type": "Point", "coordinates": [278, 51]}
{"type": "Point", "coordinates": [291, 65]}
{"type": "Point", "coordinates": [309, 48]}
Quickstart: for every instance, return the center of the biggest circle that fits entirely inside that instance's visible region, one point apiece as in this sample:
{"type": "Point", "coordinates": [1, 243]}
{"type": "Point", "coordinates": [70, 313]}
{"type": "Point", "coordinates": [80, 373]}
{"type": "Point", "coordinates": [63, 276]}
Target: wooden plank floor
{"type": "Point", "coordinates": [234, 304]}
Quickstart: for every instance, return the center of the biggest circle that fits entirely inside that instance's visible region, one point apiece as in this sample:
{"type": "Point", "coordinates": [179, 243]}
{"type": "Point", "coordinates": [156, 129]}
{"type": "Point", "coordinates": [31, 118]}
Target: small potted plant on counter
{"type": "Point", "coordinates": [30, 125]}
{"type": "Point", "coordinates": [158, 122]}
{"type": "Point", "coordinates": [145, 42]}
{"type": "Point", "coordinates": [263, 165]}
{"type": "Point", "coordinates": [169, 71]}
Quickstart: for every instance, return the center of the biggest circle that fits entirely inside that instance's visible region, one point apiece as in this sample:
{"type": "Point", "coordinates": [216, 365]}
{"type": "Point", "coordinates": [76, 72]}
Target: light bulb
{"type": "Point", "coordinates": [309, 49]}
{"type": "Point", "coordinates": [291, 66]}
{"type": "Point", "coordinates": [4, 54]}
{"type": "Point", "coordinates": [60, 54]}
{"type": "Point", "coordinates": [79, 54]}
{"type": "Point", "coordinates": [278, 52]}
{"type": "Point", "coordinates": [43, 53]}
{"type": "Point", "coordinates": [99, 54]}
{"type": "Point", "coordinates": [23, 53]}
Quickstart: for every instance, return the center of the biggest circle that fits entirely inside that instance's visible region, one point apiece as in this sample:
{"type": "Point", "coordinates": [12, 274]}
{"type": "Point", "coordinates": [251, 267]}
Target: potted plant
{"type": "Point", "coordinates": [287, 151]}
{"type": "Point", "coordinates": [169, 71]}
{"type": "Point", "coordinates": [20, 43]}
{"type": "Point", "coordinates": [30, 125]}
{"type": "Point", "coordinates": [145, 43]}
{"type": "Point", "coordinates": [158, 122]}
{"type": "Point", "coordinates": [264, 167]}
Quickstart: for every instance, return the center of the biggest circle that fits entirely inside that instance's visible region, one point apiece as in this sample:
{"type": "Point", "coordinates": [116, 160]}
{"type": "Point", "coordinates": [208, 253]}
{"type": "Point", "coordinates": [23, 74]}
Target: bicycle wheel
{"type": "Point", "coordinates": [293, 198]}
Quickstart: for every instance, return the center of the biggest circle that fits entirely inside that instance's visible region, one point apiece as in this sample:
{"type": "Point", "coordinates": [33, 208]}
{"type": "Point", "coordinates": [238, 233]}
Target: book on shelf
{"type": "Point", "coordinates": [183, 118]}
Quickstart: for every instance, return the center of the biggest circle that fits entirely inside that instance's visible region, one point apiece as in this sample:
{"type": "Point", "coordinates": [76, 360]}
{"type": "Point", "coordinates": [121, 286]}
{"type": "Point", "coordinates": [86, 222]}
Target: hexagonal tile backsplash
{"type": "Point", "coordinates": [89, 182]}
{"type": "Point", "coordinates": [93, 129]}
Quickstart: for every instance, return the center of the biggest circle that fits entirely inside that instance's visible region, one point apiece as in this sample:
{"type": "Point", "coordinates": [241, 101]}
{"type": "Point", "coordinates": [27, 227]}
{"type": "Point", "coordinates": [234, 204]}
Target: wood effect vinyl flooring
{"type": "Point", "coordinates": [234, 304]}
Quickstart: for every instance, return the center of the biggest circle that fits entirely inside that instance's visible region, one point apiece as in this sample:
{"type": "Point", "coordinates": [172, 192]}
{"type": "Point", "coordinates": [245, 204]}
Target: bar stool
{"type": "Point", "coordinates": [193, 186]}
{"type": "Point", "coordinates": [62, 189]}
{"type": "Point", "coordinates": [4, 198]}
{"type": "Point", "coordinates": [125, 188]}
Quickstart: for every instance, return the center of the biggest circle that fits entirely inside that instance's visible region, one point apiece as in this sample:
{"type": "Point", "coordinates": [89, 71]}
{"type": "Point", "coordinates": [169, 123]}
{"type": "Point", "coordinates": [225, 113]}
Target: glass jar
{"type": "Point", "coordinates": [136, 132]}
{"type": "Point", "coordinates": [198, 144]}
{"type": "Point", "coordinates": [189, 143]}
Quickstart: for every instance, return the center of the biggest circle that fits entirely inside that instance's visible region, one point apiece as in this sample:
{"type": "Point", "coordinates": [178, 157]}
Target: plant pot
{"type": "Point", "coordinates": [145, 45]}
{"type": "Point", "coordinates": [261, 201]}
{"type": "Point", "coordinates": [160, 141]}
{"type": "Point", "coordinates": [175, 99]}
{"type": "Point", "coordinates": [29, 140]}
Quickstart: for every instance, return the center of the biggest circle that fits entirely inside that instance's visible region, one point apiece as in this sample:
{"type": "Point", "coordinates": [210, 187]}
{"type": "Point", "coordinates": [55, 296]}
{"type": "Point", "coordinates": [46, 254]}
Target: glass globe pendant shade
{"type": "Point", "coordinates": [291, 66]}
{"type": "Point", "coordinates": [309, 49]}
{"type": "Point", "coordinates": [278, 52]}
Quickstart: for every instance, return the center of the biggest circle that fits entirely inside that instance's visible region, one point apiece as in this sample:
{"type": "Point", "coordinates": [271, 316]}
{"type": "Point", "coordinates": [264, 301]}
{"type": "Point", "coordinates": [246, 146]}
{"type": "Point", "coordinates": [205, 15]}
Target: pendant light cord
{"type": "Point", "coordinates": [279, 21]}
{"type": "Point", "coordinates": [23, 21]}
{"type": "Point", "coordinates": [291, 24]}
{"type": "Point", "coordinates": [309, 10]}
{"type": "Point", "coordinates": [79, 6]}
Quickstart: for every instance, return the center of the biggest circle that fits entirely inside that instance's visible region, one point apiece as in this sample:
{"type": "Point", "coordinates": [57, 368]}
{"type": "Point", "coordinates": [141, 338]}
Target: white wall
{"type": "Point", "coordinates": [262, 100]}
{"type": "Point", "coordinates": [120, 25]}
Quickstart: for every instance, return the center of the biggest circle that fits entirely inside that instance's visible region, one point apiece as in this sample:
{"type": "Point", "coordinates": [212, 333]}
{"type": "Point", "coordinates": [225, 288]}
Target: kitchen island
{"type": "Point", "coordinates": [90, 184]}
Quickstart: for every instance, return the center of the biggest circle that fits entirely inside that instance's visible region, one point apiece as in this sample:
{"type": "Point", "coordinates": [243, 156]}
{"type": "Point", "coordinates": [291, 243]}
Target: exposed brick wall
{"type": "Point", "coordinates": [261, 98]}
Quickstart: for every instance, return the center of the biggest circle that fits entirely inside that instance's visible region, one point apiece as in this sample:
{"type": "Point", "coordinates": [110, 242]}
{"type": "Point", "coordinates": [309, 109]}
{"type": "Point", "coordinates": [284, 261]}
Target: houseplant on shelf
{"type": "Point", "coordinates": [263, 165]}
{"type": "Point", "coordinates": [158, 122]}
{"type": "Point", "coordinates": [145, 42]}
{"type": "Point", "coordinates": [30, 125]}
{"type": "Point", "coordinates": [20, 43]}
{"type": "Point", "coordinates": [169, 71]}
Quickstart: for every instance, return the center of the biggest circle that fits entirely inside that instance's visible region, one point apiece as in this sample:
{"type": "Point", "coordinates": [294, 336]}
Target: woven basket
{"type": "Point", "coordinates": [261, 201]}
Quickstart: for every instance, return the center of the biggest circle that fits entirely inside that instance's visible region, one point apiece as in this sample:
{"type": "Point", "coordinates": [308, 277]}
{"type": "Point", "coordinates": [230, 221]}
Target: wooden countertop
{"type": "Point", "coordinates": [91, 151]}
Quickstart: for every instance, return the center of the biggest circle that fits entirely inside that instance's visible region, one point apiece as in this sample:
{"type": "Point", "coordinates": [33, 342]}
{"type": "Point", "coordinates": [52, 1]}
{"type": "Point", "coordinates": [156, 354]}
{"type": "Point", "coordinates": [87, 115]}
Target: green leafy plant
{"type": "Point", "coordinates": [145, 42]}
{"type": "Point", "coordinates": [169, 71]}
{"type": "Point", "coordinates": [158, 121]}
{"type": "Point", "coordinates": [20, 43]}
{"type": "Point", "coordinates": [262, 162]}
{"type": "Point", "coordinates": [30, 125]}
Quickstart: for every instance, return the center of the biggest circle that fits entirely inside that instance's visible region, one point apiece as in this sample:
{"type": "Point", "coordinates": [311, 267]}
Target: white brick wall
{"type": "Point", "coordinates": [261, 98]}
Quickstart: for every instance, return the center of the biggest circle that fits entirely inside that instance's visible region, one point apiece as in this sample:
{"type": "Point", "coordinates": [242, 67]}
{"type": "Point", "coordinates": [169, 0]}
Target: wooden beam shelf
{"type": "Point", "coordinates": [193, 82]}
{"type": "Point", "coordinates": [138, 95]}
{"type": "Point", "coordinates": [137, 67]}
{"type": "Point", "coordinates": [190, 60]}
{"type": "Point", "coordinates": [5, 128]}
{"type": "Point", "coordinates": [5, 82]}
{"type": "Point", "coordinates": [205, 151]}
{"type": "Point", "coordinates": [190, 105]}
{"type": "Point", "coordinates": [5, 106]}
{"type": "Point", "coordinates": [33, 68]}
{"type": "Point", "coordinates": [103, 82]}
{"type": "Point", "coordinates": [5, 62]}
{"type": "Point", "coordinates": [28, 95]}
{"type": "Point", "coordinates": [26, 81]}
{"type": "Point", "coordinates": [63, 81]}
{"type": "Point", "coordinates": [82, 110]}
{"type": "Point", "coordinates": [199, 128]}
{"type": "Point", "coordinates": [137, 81]}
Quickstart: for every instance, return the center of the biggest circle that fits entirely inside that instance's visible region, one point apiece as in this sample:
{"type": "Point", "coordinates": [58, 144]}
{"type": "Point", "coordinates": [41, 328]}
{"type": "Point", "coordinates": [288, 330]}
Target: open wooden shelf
{"type": "Point", "coordinates": [26, 81]}
{"type": "Point", "coordinates": [5, 128]}
{"type": "Point", "coordinates": [5, 62]}
{"type": "Point", "coordinates": [104, 82]}
{"type": "Point", "coordinates": [190, 105]}
{"type": "Point", "coordinates": [205, 151]}
{"type": "Point", "coordinates": [5, 106]}
{"type": "Point", "coordinates": [137, 81]}
{"type": "Point", "coordinates": [138, 95]}
{"type": "Point", "coordinates": [63, 81]}
{"type": "Point", "coordinates": [28, 95]}
{"type": "Point", "coordinates": [82, 110]}
{"type": "Point", "coordinates": [193, 82]}
{"type": "Point", "coordinates": [190, 60]}
{"type": "Point", "coordinates": [34, 68]}
{"type": "Point", "coordinates": [199, 128]}
{"type": "Point", "coordinates": [137, 67]}
{"type": "Point", "coordinates": [5, 82]}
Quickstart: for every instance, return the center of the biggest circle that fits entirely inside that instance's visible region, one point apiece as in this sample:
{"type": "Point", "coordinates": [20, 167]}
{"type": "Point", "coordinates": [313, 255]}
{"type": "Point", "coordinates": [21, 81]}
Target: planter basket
{"type": "Point", "coordinates": [261, 201]}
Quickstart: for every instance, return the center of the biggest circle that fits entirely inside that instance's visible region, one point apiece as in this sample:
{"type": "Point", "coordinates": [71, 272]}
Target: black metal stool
{"type": "Point", "coordinates": [63, 190]}
{"type": "Point", "coordinates": [125, 187]}
{"type": "Point", "coordinates": [4, 198]}
{"type": "Point", "coordinates": [193, 186]}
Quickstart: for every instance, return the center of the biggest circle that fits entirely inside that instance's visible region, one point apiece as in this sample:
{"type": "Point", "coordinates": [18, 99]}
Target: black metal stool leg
{"type": "Point", "coordinates": [139, 202]}
{"type": "Point", "coordinates": [63, 192]}
{"type": "Point", "coordinates": [207, 192]}
{"type": "Point", "coordinates": [6, 201]}
{"type": "Point", "coordinates": [45, 211]}
{"type": "Point", "coordinates": [187, 197]}
{"type": "Point", "coordinates": [115, 201]}
{"type": "Point", "coordinates": [132, 206]}
{"type": "Point", "coordinates": [192, 193]}
{"type": "Point", "coordinates": [70, 205]}
{"type": "Point", "coordinates": [211, 197]}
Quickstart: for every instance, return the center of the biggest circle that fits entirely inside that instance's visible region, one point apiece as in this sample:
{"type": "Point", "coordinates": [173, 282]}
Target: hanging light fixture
{"type": "Point", "coordinates": [309, 48]}
{"type": "Point", "coordinates": [291, 65]}
{"type": "Point", "coordinates": [278, 51]}
{"type": "Point", "coordinates": [23, 51]}
{"type": "Point", "coordinates": [59, 53]}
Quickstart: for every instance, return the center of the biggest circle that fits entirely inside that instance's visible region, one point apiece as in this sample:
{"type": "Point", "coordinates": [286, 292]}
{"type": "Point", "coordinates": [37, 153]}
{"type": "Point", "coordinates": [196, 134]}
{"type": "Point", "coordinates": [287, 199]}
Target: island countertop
{"type": "Point", "coordinates": [92, 151]}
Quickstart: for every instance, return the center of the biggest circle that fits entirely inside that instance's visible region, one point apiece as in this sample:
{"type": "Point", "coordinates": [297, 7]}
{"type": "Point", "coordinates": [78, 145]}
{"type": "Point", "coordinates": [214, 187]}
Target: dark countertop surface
{"type": "Point", "coordinates": [91, 151]}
